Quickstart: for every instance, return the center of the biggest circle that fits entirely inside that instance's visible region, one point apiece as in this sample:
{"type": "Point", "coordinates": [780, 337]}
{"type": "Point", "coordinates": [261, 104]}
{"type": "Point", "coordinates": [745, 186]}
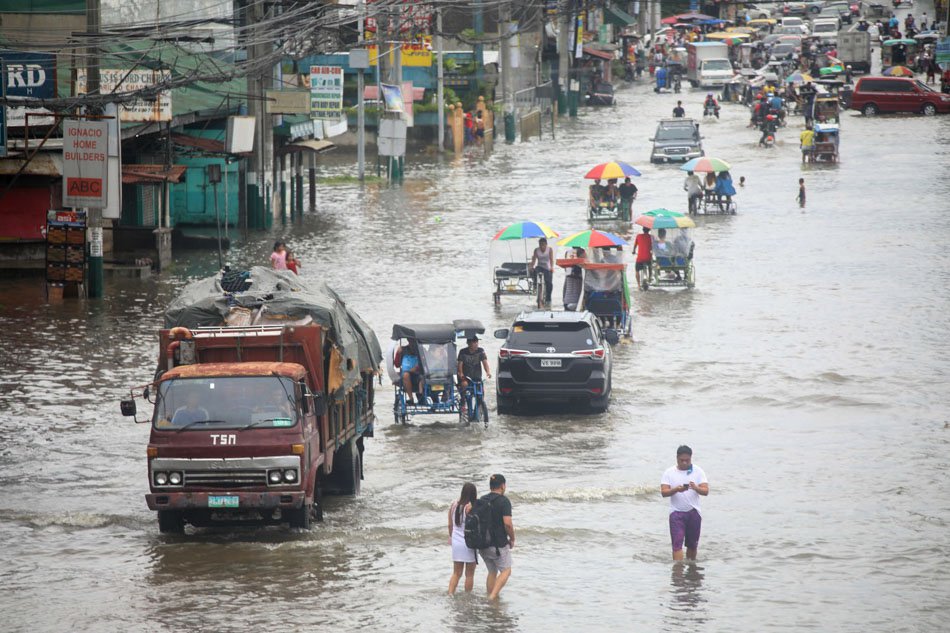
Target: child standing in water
{"type": "Point", "coordinates": [292, 263]}
{"type": "Point", "coordinates": [801, 192]}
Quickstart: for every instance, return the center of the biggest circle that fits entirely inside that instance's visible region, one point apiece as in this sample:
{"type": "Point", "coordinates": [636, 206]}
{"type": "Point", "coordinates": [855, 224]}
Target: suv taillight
{"type": "Point", "coordinates": [598, 353]}
{"type": "Point", "coordinates": [505, 352]}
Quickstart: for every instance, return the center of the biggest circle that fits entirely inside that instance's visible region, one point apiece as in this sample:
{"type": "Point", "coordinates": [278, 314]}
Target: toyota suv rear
{"type": "Point", "coordinates": [554, 356]}
{"type": "Point", "coordinates": [676, 140]}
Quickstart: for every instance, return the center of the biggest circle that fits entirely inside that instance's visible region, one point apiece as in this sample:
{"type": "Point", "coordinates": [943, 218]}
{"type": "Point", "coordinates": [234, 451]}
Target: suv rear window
{"type": "Point", "coordinates": [676, 133]}
{"type": "Point", "coordinates": [537, 337]}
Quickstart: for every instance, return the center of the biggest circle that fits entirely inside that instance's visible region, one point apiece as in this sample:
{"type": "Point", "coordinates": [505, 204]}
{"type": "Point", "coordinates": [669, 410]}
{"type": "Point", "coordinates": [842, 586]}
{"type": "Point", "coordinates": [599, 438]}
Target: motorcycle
{"type": "Point", "coordinates": [628, 74]}
{"type": "Point", "coordinates": [710, 110]}
{"type": "Point", "coordinates": [677, 85]}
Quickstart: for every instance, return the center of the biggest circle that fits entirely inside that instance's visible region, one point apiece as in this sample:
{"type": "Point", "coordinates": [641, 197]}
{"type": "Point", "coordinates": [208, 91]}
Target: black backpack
{"type": "Point", "coordinates": [478, 525]}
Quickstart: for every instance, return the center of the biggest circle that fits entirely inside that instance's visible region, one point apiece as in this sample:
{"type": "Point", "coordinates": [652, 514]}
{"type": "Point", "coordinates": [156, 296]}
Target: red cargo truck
{"type": "Point", "coordinates": [255, 422]}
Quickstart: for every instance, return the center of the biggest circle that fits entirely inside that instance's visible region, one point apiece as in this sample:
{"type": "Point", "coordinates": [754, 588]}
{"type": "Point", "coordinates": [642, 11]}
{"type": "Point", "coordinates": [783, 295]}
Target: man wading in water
{"type": "Point", "coordinates": [683, 484]}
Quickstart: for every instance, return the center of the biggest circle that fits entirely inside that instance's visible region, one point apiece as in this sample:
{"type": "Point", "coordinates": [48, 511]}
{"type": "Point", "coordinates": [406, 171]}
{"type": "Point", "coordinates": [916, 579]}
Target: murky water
{"type": "Point", "coordinates": [808, 370]}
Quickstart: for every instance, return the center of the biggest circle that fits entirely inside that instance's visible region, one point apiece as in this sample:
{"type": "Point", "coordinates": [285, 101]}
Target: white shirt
{"type": "Point", "coordinates": [684, 501]}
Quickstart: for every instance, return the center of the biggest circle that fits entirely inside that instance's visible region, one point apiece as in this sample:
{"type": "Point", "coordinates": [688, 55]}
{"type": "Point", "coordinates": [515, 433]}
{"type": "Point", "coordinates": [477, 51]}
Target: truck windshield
{"type": "Point", "coordinates": [717, 64]}
{"type": "Point", "coordinates": [229, 402]}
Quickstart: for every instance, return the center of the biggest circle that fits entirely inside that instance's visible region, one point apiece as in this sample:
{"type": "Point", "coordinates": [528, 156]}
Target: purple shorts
{"type": "Point", "coordinates": [685, 526]}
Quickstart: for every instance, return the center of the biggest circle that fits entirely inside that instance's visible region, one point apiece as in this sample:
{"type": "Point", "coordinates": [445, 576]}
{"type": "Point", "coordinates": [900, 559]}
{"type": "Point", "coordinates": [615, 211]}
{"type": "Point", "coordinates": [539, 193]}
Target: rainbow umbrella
{"type": "Point", "coordinates": [592, 238]}
{"type": "Point", "coordinates": [525, 231]}
{"type": "Point", "coordinates": [665, 219]}
{"type": "Point", "coordinates": [611, 170]}
{"type": "Point", "coordinates": [898, 71]}
{"type": "Point", "coordinates": [706, 164]}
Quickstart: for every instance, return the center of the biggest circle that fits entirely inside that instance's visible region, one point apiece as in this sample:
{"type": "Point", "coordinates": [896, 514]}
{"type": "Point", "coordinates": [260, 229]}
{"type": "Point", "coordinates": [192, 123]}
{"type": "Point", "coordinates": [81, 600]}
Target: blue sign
{"type": "Point", "coordinates": [29, 74]}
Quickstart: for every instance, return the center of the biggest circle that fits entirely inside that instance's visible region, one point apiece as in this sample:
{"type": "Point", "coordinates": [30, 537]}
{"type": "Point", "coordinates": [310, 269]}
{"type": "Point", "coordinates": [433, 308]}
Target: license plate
{"type": "Point", "coordinates": [223, 501]}
{"type": "Point", "coordinates": [550, 362]}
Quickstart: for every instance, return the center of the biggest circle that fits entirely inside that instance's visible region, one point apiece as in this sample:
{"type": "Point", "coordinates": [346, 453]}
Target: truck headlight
{"type": "Point", "coordinates": [161, 479]}
{"type": "Point", "coordinates": [174, 478]}
{"type": "Point", "coordinates": [274, 476]}
{"type": "Point", "coordinates": [290, 475]}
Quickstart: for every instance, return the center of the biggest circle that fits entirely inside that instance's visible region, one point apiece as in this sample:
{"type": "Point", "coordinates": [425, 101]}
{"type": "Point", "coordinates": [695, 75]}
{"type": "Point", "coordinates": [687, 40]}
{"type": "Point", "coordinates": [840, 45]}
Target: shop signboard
{"type": "Point", "coordinates": [28, 75]}
{"type": "Point", "coordinates": [122, 81]}
{"type": "Point", "coordinates": [326, 92]}
{"type": "Point", "coordinates": [85, 163]}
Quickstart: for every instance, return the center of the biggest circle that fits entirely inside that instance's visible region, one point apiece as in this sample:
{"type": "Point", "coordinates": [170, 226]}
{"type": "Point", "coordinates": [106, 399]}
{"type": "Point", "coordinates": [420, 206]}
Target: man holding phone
{"type": "Point", "coordinates": [684, 484]}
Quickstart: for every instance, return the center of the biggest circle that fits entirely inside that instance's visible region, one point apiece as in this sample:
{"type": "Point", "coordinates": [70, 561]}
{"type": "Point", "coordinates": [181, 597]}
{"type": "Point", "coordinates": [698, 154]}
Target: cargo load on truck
{"type": "Point", "coordinates": [280, 297]}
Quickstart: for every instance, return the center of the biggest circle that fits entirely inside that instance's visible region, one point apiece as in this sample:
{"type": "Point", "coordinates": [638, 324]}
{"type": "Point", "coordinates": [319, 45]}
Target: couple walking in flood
{"type": "Point", "coordinates": [482, 527]}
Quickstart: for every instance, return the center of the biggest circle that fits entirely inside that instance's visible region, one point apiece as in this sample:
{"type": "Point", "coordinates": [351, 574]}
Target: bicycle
{"type": "Point", "coordinates": [472, 405]}
{"type": "Point", "coordinates": [541, 287]}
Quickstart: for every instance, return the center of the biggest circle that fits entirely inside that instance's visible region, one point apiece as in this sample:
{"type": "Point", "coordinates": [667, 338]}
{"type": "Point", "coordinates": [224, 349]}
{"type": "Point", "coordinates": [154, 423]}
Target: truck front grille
{"type": "Point", "coordinates": [226, 478]}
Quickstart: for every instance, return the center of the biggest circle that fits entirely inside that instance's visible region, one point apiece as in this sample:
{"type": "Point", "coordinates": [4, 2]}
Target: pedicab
{"type": "Point", "coordinates": [718, 201]}
{"type": "Point", "coordinates": [825, 147]}
{"type": "Point", "coordinates": [826, 108]}
{"type": "Point", "coordinates": [902, 52]}
{"type": "Point", "coordinates": [422, 364]}
{"type": "Point", "coordinates": [596, 281]}
{"type": "Point", "coordinates": [509, 257]}
{"type": "Point", "coordinates": [604, 205]}
{"type": "Point", "coordinates": [672, 263]}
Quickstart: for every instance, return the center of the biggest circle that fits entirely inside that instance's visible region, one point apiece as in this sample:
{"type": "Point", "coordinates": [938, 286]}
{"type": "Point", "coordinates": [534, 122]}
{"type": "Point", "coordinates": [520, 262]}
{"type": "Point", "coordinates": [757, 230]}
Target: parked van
{"type": "Point", "coordinates": [873, 95]}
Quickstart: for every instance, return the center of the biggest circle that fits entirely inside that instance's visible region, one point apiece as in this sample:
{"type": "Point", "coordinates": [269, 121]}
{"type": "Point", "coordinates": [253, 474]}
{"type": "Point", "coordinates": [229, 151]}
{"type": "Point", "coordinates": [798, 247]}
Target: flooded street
{"type": "Point", "coordinates": [809, 371]}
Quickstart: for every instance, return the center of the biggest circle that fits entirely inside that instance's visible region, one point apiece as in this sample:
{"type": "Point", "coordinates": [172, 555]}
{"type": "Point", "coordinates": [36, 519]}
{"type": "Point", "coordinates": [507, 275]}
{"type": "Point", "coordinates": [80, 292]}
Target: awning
{"type": "Point", "coordinates": [618, 18]}
{"type": "Point", "coordinates": [207, 145]}
{"type": "Point", "coordinates": [371, 93]}
{"type": "Point", "coordinates": [307, 145]}
{"type": "Point", "coordinates": [43, 164]}
{"type": "Point", "coordinates": [593, 52]}
{"type": "Point", "coordinates": [151, 174]}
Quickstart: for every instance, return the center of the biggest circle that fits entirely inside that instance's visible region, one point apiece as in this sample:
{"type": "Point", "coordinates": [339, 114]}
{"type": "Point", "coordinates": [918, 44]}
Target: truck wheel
{"type": "Point", "coordinates": [347, 467]}
{"type": "Point", "coordinates": [300, 517]}
{"type": "Point", "coordinates": [171, 522]}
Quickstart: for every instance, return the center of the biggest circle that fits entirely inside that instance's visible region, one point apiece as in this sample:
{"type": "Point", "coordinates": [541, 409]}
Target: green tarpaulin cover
{"type": "Point", "coordinates": [280, 294]}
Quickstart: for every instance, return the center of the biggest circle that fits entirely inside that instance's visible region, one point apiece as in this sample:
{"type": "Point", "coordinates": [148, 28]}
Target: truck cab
{"type": "Point", "coordinates": [707, 64]}
{"type": "Point", "coordinates": [252, 425]}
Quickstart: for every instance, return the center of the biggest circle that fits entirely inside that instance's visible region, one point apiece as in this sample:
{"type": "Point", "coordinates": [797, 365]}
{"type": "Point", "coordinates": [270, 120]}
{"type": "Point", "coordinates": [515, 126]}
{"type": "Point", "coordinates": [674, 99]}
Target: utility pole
{"type": "Point", "coordinates": [478, 22]}
{"type": "Point", "coordinates": [440, 72]}
{"type": "Point", "coordinates": [360, 106]}
{"type": "Point", "coordinates": [564, 53]}
{"type": "Point", "coordinates": [257, 82]}
{"type": "Point", "coordinates": [504, 27]}
{"type": "Point", "coordinates": [94, 216]}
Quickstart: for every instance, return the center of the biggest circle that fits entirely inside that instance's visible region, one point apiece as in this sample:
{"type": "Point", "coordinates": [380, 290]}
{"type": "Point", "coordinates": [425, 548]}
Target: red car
{"type": "Point", "coordinates": [873, 95]}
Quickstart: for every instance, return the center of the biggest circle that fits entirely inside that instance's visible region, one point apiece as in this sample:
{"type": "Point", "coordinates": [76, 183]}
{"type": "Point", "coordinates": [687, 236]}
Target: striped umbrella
{"type": "Point", "coordinates": [898, 71]}
{"type": "Point", "coordinates": [592, 238]}
{"type": "Point", "coordinates": [665, 219]}
{"type": "Point", "coordinates": [798, 77]}
{"type": "Point", "coordinates": [614, 169]}
{"type": "Point", "coordinates": [525, 231]}
{"type": "Point", "coordinates": [705, 164]}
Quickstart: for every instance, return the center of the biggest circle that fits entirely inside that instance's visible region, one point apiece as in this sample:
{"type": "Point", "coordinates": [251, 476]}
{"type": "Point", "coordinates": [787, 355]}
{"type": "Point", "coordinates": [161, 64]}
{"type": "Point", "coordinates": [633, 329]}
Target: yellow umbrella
{"type": "Point", "coordinates": [727, 36]}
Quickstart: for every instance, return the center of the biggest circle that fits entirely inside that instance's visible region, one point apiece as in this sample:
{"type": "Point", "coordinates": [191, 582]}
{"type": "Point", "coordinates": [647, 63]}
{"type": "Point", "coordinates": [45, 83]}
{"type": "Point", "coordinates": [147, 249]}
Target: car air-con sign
{"type": "Point", "coordinates": [85, 161]}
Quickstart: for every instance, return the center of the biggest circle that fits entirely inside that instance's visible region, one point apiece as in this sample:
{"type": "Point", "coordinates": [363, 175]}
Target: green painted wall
{"type": "Point", "coordinates": [43, 6]}
{"type": "Point", "coordinates": [193, 200]}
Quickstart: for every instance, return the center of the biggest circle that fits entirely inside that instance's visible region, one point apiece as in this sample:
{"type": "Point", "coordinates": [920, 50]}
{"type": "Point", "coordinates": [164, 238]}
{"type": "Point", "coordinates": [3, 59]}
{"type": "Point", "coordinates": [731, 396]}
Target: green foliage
{"type": "Point", "coordinates": [449, 64]}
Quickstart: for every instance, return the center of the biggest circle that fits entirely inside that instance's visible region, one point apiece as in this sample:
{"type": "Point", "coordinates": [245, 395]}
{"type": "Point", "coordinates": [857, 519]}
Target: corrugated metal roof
{"type": "Point", "coordinates": [151, 174]}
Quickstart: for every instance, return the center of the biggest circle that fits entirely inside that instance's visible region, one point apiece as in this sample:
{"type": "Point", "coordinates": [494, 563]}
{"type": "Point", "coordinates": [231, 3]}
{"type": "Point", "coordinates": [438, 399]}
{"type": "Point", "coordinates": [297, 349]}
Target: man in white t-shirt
{"type": "Point", "coordinates": [684, 484]}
